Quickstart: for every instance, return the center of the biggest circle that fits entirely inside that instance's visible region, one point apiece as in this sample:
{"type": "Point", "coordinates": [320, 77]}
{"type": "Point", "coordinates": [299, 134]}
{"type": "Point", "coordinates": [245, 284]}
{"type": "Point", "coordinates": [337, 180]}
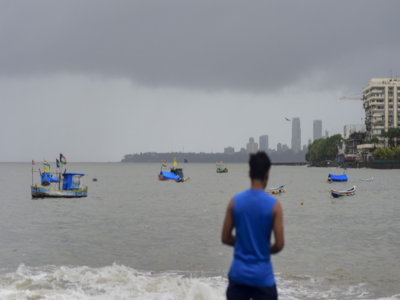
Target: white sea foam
{"type": "Point", "coordinates": [112, 282]}
{"type": "Point", "coordinates": [121, 282]}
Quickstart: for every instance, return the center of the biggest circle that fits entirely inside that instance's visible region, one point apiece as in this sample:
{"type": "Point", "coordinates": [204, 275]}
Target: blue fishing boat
{"type": "Point", "coordinates": [59, 185]}
{"type": "Point", "coordinates": [175, 174]}
{"type": "Point", "coordinates": [333, 177]}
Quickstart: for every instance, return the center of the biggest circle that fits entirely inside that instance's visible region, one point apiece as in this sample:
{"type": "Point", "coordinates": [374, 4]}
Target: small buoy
{"type": "Point", "coordinates": [94, 179]}
{"type": "Point", "coordinates": [301, 202]}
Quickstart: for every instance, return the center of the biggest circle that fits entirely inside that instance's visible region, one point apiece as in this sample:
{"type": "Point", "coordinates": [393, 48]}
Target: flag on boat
{"type": "Point", "coordinates": [58, 163]}
{"type": "Point", "coordinates": [46, 170]}
{"type": "Point", "coordinates": [46, 163]}
{"type": "Point", "coordinates": [63, 160]}
{"type": "Point", "coordinates": [185, 161]}
{"type": "Point", "coordinates": [164, 164]}
{"type": "Point", "coordinates": [33, 163]}
{"type": "Point", "coordinates": [174, 161]}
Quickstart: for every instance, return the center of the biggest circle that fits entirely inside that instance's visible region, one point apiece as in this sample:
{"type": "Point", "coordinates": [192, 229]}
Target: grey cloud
{"type": "Point", "coordinates": [209, 45]}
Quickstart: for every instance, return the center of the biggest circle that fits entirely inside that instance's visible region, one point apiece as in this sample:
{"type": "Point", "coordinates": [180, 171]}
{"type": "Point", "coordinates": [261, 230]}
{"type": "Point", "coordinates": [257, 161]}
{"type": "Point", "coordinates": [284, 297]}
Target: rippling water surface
{"type": "Point", "coordinates": [134, 237]}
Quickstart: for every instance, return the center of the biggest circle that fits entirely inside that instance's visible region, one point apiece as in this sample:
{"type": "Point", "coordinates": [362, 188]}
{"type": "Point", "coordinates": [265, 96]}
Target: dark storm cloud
{"type": "Point", "coordinates": [216, 45]}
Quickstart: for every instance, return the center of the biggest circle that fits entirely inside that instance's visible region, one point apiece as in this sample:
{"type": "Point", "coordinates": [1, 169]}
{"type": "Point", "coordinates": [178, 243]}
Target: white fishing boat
{"type": "Point", "coordinates": [349, 192]}
{"type": "Point", "coordinates": [276, 190]}
{"type": "Point", "coordinates": [370, 179]}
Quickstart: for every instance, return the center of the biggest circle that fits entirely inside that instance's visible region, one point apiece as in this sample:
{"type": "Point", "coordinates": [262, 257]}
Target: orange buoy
{"type": "Point", "coordinates": [301, 202]}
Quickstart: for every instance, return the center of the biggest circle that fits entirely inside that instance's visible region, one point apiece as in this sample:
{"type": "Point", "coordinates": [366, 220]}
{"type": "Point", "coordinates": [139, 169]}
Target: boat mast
{"type": "Point", "coordinates": [59, 175]}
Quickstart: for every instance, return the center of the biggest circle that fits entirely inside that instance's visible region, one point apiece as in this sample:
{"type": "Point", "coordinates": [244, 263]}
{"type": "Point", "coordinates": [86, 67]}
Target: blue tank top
{"type": "Point", "coordinates": [252, 216]}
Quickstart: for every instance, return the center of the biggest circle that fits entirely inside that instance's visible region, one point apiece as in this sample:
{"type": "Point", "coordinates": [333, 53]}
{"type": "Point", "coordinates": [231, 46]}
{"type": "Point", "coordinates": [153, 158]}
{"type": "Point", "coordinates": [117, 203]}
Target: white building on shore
{"type": "Point", "coordinates": [381, 101]}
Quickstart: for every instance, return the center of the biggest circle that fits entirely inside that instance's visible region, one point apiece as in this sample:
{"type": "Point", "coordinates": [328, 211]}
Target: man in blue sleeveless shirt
{"type": "Point", "coordinates": [254, 215]}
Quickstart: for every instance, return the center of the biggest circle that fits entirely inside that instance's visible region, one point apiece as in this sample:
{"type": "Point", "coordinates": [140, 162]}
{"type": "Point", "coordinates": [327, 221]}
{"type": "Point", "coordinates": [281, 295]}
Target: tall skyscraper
{"type": "Point", "coordinates": [317, 129]}
{"type": "Point", "coordinates": [251, 147]}
{"type": "Point", "coordinates": [263, 143]}
{"type": "Point", "coordinates": [296, 135]}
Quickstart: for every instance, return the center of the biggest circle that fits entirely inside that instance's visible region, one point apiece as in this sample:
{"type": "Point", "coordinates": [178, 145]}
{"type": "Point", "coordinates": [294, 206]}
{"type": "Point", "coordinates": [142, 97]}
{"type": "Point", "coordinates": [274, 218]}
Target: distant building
{"type": "Point", "coordinates": [296, 135]}
{"type": "Point", "coordinates": [350, 129]}
{"type": "Point", "coordinates": [317, 129]}
{"type": "Point", "coordinates": [381, 104]}
{"type": "Point", "coordinates": [326, 134]}
{"type": "Point", "coordinates": [229, 150]}
{"type": "Point", "coordinates": [263, 143]}
{"type": "Point", "coordinates": [279, 147]}
{"type": "Point", "coordinates": [309, 142]}
{"type": "Point", "coordinates": [251, 147]}
{"type": "Point", "coordinates": [355, 139]}
{"type": "Point", "coordinates": [305, 148]}
{"type": "Point", "coordinates": [285, 148]}
{"type": "Point", "coordinates": [242, 150]}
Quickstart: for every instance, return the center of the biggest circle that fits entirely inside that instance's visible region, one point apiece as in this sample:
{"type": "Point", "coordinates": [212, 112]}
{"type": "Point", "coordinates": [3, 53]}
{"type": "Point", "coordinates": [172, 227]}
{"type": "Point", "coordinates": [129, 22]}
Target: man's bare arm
{"type": "Point", "coordinates": [277, 219]}
{"type": "Point", "coordinates": [227, 237]}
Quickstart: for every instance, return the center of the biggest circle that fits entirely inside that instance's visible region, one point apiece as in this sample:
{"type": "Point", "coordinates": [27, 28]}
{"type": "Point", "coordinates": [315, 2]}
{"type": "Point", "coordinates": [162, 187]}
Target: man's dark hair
{"type": "Point", "coordinates": [259, 165]}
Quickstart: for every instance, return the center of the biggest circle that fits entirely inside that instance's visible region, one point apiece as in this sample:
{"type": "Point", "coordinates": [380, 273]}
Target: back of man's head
{"type": "Point", "coordinates": [259, 165]}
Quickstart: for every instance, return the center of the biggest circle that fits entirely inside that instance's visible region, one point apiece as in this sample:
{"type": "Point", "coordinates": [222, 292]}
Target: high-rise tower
{"type": "Point", "coordinates": [296, 135]}
{"type": "Point", "coordinates": [317, 129]}
{"type": "Point", "coordinates": [263, 143]}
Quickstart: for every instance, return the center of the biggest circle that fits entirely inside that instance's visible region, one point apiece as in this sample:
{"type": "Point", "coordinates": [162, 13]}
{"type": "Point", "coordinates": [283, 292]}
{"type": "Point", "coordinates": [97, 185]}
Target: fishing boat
{"type": "Point", "coordinates": [349, 192]}
{"type": "Point", "coordinates": [276, 190]}
{"type": "Point", "coordinates": [175, 174]}
{"type": "Point", "coordinates": [370, 179]}
{"type": "Point", "coordinates": [333, 177]}
{"type": "Point", "coordinates": [58, 185]}
{"type": "Point", "coordinates": [220, 168]}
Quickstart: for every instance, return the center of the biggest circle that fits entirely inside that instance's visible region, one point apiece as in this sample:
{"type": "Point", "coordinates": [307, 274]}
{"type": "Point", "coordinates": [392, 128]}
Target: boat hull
{"type": "Point", "coordinates": [42, 192]}
{"type": "Point", "coordinates": [349, 192]}
{"type": "Point", "coordinates": [276, 190]}
{"type": "Point", "coordinates": [371, 179]}
{"type": "Point", "coordinates": [161, 178]}
{"type": "Point", "coordinates": [222, 170]}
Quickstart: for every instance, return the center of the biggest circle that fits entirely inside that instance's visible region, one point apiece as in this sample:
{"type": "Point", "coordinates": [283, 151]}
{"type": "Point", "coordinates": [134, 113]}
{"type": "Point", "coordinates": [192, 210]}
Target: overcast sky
{"type": "Point", "coordinates": [99, 79]}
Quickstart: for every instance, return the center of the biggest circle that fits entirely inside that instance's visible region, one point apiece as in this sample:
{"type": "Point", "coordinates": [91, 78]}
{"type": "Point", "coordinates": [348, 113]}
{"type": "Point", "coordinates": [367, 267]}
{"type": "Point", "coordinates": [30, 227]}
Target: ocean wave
{"type": "Point", "coordinates": [122, 282]}
{"type": "Point", "coordinates": [111, 282]}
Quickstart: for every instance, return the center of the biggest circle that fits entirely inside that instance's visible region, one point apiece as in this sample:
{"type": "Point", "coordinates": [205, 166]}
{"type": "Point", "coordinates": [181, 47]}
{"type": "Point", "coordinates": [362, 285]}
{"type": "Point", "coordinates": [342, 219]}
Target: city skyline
{"type": "Point", "coordinates": [296, 140]}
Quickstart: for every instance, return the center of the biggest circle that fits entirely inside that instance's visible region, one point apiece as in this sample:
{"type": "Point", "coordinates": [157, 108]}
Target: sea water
{"type": "Point", "coordinates": [135, 237]}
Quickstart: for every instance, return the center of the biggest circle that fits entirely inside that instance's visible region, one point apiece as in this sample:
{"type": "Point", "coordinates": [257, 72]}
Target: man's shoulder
{"type": "Point", "coordinates": [242, 195]}
{"type": "Point", "coordinates": [249, 193]}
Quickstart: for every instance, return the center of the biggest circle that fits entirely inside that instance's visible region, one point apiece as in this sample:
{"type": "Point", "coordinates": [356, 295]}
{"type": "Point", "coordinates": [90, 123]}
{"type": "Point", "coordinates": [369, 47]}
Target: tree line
{"type": "Point", "coordinates": [237, 157]}
{"type": "Point", "coordinates": [324, 149]}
